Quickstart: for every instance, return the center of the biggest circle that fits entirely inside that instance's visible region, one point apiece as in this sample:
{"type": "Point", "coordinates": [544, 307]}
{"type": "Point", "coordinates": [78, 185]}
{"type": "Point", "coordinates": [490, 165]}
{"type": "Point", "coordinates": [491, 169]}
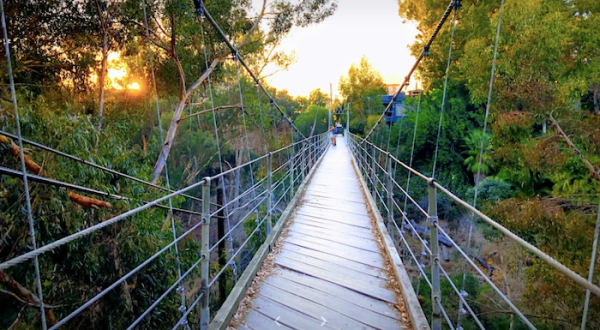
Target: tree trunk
{"type": "Point", "coordinates": [186, 93]}
{"type": "Point", "coordinates": [170, 138]}
{"type": "Point", "coordinates": [103, 72]}
{"type": "Point", "coordinates": [596, 97]}
{"type": "Point", "coordinates": [222, 257]}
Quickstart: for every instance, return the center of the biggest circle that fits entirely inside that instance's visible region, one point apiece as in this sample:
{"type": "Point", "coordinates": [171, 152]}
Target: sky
{"type": "Point", "coordinates": [358, 28]}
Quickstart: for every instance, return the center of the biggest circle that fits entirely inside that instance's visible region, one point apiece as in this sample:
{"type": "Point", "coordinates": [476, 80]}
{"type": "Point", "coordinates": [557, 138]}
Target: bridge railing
{"type": "Point", "coordinates": [379, 168]}
{"type": "Point", "coordinates": [275, 178]}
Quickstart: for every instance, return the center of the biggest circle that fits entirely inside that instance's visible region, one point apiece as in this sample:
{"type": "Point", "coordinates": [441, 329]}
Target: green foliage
{"type": "Point", "coordinates": [258, 234]}
{"type": "Point", "coordinates": [492, 190]}
{"type": "Point", "coordinates": [545, 64]}
{"type": "Point", "coordinates": [362, 89]}
{"type": "Point", "coordinates": [473, 144]}
{"type": "Point", "coordinates": [315, 116]}
{"type": "Point", "coordinates": [75, 272]}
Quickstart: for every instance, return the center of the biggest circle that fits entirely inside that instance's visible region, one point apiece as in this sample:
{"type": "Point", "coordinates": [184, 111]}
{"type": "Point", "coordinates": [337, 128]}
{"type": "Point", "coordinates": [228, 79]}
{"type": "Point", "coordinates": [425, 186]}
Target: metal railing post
{"type": "Point", "coordinates": [390, 194]}
{"type": "Point", "coordinates": [292, 175]}
{"type": "Point", "coordinates": [373, 175]}
{"type": "Point", "coordinates": [302, 161]}
{"type": "Point", "coordinates": [269, 192]}
{"type": "Point", "coordinates": [310, 153]}
{"type": "Point", "coordinates": [436, 319]}
{"type": "Point", "coordinates": [205, 313]}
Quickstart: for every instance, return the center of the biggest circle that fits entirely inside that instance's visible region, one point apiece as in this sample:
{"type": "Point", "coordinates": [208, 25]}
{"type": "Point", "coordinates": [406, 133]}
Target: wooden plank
{"type": "Point", "coordinates": [334, 198]}
{"type": "Point", "coordinates": [334, 192]}
{"type": "Point", "coordinates": [258, 321]}
{"type": "Point", "coordinates": [349, 220]}
{"type": "Point", "coordinates": [335, 236]}
{"type": "Point", "coordinates": [340, 173]}
{"type": "Point", "coordinates": [305, 306]}
{"type": "Point", "coordinates": [326, 228]}
{"type": "Point", "coordinates": [339, 183]}
{"type": "Point", "coordinates": [339, 206]}
{"type": "Point", "coordinates": [335, 269]}
{"type": "Point", "coordinates": [355, 221]}
{"type": "Point", "coordinates": [287, 316]}
{"type": "Point", "coordinates": [351, 310]}
{"type": "Point", "coordinates": [338, 216]}
{"type": "Point", "coordinates": [363, 252]}
{"type": "Point", "coordinates": [357, 266]}
{"type": "Point", "coordinates": [415, 311]}
{"type": "Point", "coordinates": [340, 292]}
{"type": "Point", "coordinates": [364, 288]}
{"type": "Point", "coordinates": [242, 327]}
{"type": "Point", "coordinates": [230, 306]}
{"type": "Point", "coordinates": [370, 261]}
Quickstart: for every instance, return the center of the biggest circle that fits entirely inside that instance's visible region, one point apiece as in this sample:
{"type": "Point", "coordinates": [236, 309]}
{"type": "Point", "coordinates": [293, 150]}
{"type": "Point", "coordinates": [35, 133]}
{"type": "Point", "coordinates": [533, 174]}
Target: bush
{"type": "Point", "coordinates": [492, 190]}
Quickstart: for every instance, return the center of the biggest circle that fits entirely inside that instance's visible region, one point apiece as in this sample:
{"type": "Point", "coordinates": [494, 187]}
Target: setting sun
{"type": "Point", "coordinates": [118, 77]}
{"type": "Point", "coordinates": [133, 86]}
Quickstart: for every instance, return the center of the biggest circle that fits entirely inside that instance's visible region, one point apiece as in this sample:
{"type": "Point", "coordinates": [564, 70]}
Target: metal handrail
{"type": "Point", "coordinates": [370, 159]}
{"type": "Point", "coordinates": [305, 154]}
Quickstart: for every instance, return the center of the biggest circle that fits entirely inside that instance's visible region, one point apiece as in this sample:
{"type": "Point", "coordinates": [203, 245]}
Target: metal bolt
{"type": "Point", "coordinates": [182, 309]}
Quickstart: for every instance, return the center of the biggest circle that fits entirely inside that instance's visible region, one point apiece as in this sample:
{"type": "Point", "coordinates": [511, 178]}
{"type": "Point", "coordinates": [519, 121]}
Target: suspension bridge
{"type": "Point", "coordinates": [336, 248]}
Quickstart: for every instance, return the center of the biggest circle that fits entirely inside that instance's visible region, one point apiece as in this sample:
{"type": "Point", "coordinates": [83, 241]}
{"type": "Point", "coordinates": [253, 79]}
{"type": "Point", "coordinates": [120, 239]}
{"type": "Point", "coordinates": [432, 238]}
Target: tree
{"type": "Point", "coordinates": [50, 42]}
{"type": "Point", "coordinates": [106, 13]}
{"type": "Point", "coordinates": [362, 89]}
{"type": "Point", "coordinates": [473, 143]}
{"type": "Point", "coordinates": [167, 29]}
{"type": "Point", "coordinates": [317, 97]}
{"type": "Point", "coordinates": [313, 120]}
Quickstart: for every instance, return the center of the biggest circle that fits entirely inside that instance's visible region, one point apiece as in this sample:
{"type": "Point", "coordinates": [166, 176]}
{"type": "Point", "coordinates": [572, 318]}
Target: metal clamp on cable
{"type": "Point", "coordinates": [199, 7]}
{"type": "Point", "coordinates": [456, 4]}
{"type": "Point", "coordinates": [426, 51]}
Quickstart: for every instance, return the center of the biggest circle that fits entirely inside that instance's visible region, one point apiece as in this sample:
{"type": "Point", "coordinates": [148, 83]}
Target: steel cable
{"type": "Point", "coordinates": [13, 96]}
{"type": "Point", "coordinates": [160, 130]}
{"type": "Point", "coordinates": [487, 113]}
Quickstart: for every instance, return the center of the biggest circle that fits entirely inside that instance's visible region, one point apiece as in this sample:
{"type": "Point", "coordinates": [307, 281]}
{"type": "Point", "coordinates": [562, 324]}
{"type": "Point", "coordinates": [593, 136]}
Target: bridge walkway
{"type": "Point", "coordinates": [330, 272]}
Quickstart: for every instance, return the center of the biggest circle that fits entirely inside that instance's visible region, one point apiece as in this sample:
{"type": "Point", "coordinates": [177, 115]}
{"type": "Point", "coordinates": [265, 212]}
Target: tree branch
{"type": "Point", "coordinates": [186, 93]}
{"type": "Point", "coordinates": [151, 32]}
{"type": "Point", "coordinates": [160, 25]}
{"type": "Point", "coordinates": [24, 294]}
{"type": "Point", "coordinates": [254, 27]}
{"type": "Point", "coordinates": [593, 172]}
{"type": "Point", "coordinates": [233, 106]}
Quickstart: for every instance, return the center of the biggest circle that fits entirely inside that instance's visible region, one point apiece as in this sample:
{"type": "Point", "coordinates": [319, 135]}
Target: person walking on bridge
{"type": "Point", "coordinates": [332, 134]}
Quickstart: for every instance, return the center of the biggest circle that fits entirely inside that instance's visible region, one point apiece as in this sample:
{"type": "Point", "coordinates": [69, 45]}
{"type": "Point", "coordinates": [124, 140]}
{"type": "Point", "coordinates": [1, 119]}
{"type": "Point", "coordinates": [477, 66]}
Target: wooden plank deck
{"type": "Point", "coordinates": [329, 273]}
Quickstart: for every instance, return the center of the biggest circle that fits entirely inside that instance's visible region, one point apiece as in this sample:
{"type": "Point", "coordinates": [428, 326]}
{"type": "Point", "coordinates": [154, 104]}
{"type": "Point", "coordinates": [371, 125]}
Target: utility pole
{"type": "Point", "coordinates": [330, 103]}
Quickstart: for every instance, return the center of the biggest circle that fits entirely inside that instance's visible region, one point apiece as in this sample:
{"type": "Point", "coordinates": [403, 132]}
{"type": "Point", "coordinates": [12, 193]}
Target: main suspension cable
{"type": "Point", "coordinates": [202, 10]}
{"type": "Point", "coordinates": [424, 53]}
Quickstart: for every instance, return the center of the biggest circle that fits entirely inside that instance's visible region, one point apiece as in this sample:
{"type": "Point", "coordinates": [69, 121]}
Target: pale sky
{"type": "Point", "coordinates": [326, 51]}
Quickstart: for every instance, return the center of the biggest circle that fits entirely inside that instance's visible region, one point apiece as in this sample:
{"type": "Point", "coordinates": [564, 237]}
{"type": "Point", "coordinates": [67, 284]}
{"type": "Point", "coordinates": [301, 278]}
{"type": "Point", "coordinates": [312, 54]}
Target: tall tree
{"type": "Point", "coordinates": [175, 32]}
{"type": "Point", "coordinates": [362, 89]}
